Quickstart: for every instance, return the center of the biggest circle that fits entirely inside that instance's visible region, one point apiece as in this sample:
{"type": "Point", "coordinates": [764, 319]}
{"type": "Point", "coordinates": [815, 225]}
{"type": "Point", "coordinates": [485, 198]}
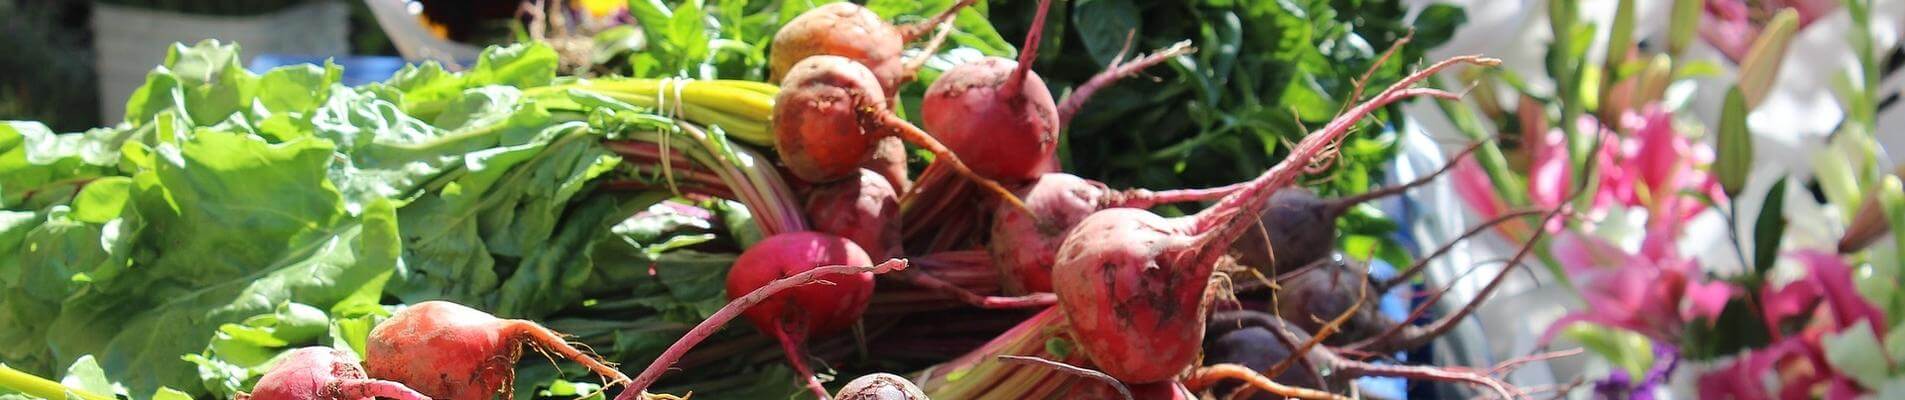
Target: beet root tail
{"type": "Point", "coordinates": [549, 340]}
{"type": "Point", "coordinates": [369, 388]}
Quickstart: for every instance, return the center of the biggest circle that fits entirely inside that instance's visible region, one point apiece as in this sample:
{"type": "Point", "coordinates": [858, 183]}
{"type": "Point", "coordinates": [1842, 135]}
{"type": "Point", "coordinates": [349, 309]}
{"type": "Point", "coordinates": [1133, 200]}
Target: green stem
{"type": "Point", "coordinates": [36, 386]}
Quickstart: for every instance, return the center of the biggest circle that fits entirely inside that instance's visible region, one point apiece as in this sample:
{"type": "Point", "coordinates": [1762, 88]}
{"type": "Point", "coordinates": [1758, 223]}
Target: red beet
{"type": "Point", "coordinates": [638, 388]}
{"type": "Point", "coordinates": [1024, 246]}
{"type": "Point", "coordinates": [449, 351]}
{"type": "Point", "coordinates": [804, 311]}
{"type": "Point", "coordinates": [322, 373]}
{"type": "Point", "coordinates": [864, 210]}
{"type": "Point", "coordinates": [997, 108]}
{"type": "Point", "coordinates": [1133, 283]}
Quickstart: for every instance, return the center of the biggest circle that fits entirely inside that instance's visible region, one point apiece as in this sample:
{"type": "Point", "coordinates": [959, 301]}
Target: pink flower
{"type": "Point", "coordinates": [1798, 362]}
{"type": "Point", "coordinates": [1652, 166]}
{"type": "Point", "coordinates": [1653, 296]}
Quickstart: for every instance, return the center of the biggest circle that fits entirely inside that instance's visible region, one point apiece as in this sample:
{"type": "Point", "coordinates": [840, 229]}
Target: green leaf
{"type": "Point", "coordinates": [297, 88]}
{"type": "Point", "coordinates": [1769, 229]}
{"type": "Point", "coordinates": [85, 375]}
{"type": "Point", "coordinates": [1851, 351]}
{"type": "Point", "coordinates": [1436, 24]}
{"type": "Point", "coordinates": [35, 160]}
{"type": "Point", "coordinates": [1631, 352]}
{"type": "Point", "coordinates": [205, 82]}
{"type": "Point", "coordinates": [1104, 25]}
{"type": "Point", "coordinates": [520, 65]}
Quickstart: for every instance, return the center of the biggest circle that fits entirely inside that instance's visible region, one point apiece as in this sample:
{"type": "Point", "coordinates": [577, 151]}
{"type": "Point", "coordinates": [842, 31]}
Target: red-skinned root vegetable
{"type": "Point", "coordinates": [880, 386]}
{"type": "Point", "coordinates": [808, 310]}
{"type": "Point", "coordinates": [735, 308]}
{"type": "Point", "coordinates": [852, 31]}
{"type": "Point", "coordinates": [322, 373]}
{"type": "Point", "coordinates": [997, 108]}
{"type": "Point", "coordinates": [1025, 246]}
{"type": "Point", "coordinates": [448, 351]}
{"type": "Point", "coordinates": [889, 160]}
{"type": "Point", "coordinates": [864, 209]}
{"type": "Point", "coordinates": [1133, 283]}
{"type": "Point", "coordinates": [829, 114]}
{"type": "Point", "coordinates": [1299, 228]}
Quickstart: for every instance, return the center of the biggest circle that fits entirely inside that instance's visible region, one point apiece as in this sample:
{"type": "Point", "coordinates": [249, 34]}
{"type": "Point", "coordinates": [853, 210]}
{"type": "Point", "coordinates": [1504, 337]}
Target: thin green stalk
{"type": "Point", "coordinates": [36, 386]}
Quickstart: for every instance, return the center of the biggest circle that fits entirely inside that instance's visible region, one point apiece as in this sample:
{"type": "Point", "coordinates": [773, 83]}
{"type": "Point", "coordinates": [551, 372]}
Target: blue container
{"type": "Point", "coordinates": [358, 70]}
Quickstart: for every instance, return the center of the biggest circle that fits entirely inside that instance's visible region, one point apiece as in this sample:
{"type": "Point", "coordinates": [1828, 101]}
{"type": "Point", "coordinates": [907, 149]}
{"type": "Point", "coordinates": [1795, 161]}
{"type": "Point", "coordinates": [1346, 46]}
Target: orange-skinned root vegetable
{"type": "Point", "coordinates": [1298, 228]}
{"type": "Point", "coordinates": [996, 111]}
{"type": "Point", "coordinates": [828, 116]}
{"type": "Point", "coordinates": [322, 373]}
{"type": "Point", "coordinates": [735, 308]}
{"type": "Point", "coordinates": [1133, 283]}
{"type": "Point", "coordinates": [804, 311]}
{"type": "Point", "coordinates": [448, 351]}
{"type": "Point", "coordinates": [852, 31]}
{"type": "Point", "coordinates": [880, 386]}
{"type": "Point", "coordinates": [1024, 246]}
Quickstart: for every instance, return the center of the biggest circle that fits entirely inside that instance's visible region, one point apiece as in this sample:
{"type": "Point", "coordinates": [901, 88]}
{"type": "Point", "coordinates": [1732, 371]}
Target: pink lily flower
{"type": "Point", "coordinates": [1798, 362]}
{"type": "Point", "coordinates": [1653, 295]}
{"type": "Point", "coordinates": [1652, 166]}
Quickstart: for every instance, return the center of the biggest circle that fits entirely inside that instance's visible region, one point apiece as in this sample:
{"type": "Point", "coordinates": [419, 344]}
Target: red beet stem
{"type": "Point", "coordinates": [912, 134]}
{"type": "Point", "coordinates": [1117, 70]}
{"type": "Point", "coordinates": [1395, 337]}
{"type": "Point", "coordinates": [1029, 52]}
{"type": "Point", "coordinates": [734, 309]}
{"type": "Point", "coordinates": [1336, 206]}
{"type": "Point", "coordinates": [913, 31]}
{"type": "Point", "coordinates": [790, 343]}
{"type": "Point", "coordinates": [1219, 223]}
{"type": "Point", "coordinates": [1420, 373]}
{"type": "Point", "coordinates": [1142, 198]}
{"type": "Point", "coordinates": [928, 281]}
{"type": "Point", "coordinates": [369, 388]}
{"type": "Point", "coordinates": [1416, 268]}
